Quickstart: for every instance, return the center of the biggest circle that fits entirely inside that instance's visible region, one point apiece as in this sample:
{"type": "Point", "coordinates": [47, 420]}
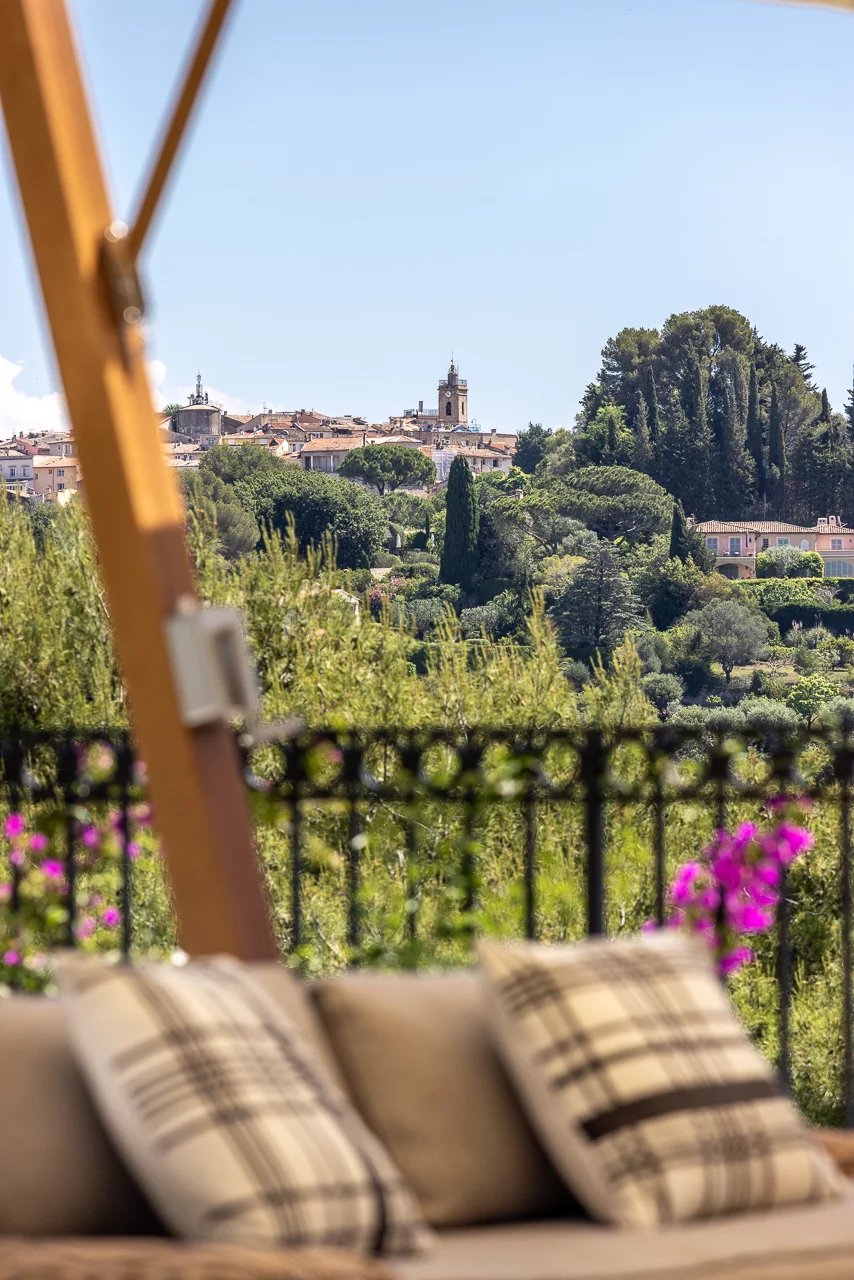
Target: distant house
{"type": "Point", "coordinates": [480, 461]}
{"type": "Point", "coordinates": [328, 454]}
{"type": "Point", "coordinates": [16, 469]}
{"type": "Point", "coordinates": [737, 543]}
{"type": "Point", "coordinates": [55, 477]}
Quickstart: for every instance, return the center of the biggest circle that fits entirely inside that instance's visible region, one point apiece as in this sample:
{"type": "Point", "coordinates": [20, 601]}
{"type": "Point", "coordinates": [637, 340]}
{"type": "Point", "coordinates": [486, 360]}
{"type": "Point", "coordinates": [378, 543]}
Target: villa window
{"type": "Point", "coordinates": [836, 544]}
{"type": "Point", "coordinates": [11, 473]}
{"type": "Point", "coordinates": [712, 544]}
{"type": "Point", "coordinates": [805, 544]}
{"type": "Point", "coordinates": [782, 542]}
{"type": "Point", "coordinates": [735, 546]}
{"type": "Point", "coordinates": [765, 544]}
{"type": "Point", "coordinates": [60, 471]}
{"type": "Point", "coordinates": [839, 569]}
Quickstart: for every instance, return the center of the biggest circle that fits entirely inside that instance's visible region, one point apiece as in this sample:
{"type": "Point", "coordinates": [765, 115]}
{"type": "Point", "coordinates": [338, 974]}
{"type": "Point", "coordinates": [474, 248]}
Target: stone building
{"type": "Point", "coordinates": [198, 420]}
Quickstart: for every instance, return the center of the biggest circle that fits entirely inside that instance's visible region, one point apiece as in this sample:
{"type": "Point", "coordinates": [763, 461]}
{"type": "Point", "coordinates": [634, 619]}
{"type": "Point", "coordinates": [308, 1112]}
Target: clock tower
{"type": "Point", "coordinates": [453, 400]}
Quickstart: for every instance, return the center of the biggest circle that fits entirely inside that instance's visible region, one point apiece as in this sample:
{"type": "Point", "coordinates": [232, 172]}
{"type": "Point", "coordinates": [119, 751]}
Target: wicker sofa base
{"type": "Point", "coordinates": [154, 1259]}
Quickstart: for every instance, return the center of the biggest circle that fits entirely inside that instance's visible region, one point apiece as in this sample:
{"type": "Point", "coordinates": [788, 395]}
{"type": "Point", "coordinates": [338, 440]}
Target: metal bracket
{"type": "Point", "coordinates": [121, 278]}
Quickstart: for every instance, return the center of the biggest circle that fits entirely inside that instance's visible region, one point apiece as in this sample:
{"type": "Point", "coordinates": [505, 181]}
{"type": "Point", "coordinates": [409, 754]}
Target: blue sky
{"type": "Point", "coordinates": [371, 185]}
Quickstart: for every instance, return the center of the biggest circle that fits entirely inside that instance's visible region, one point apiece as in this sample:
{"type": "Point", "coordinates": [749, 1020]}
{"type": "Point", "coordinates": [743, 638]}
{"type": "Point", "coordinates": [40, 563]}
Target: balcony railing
{"type": "Point", "coordinates": [401, 847]}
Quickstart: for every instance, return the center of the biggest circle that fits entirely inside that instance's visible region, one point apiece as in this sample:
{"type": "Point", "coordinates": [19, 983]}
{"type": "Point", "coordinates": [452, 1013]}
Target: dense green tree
{"type": "Point", "coordinates": [642, 448]}
{"type": "Point", "coordinates": [531, 447]}
{"type": "Point", "coordinates": [669, 589]}
{"type": "Point", "coordinates": [824, 416]}
{"type": "Point", "coordinates": [459, 550]}
{"type": "Point", "coordinates": [776, 455]}
{"type": "Point", "coordinates": [686, 469]}
{"type": "Point", "coordinates": [802, 362]}
{"type": "Point", "coordinates": [248, 462]}
{"type": "Point", "coordinates": [169, 410]}
{"type": "Point", "coordinates": [849, 411]}
{"type": "Point", "coordinates": [810, 695]}
{"type": "Point", "coordinates": [597, 608]}
{"type": "Point", "coordinates": [389, 466]}
{"type": "Point", "coordinates": [318, 507]}
{"type": "Point", "coordinates": [606, 441]}
{"type": "Point", "coordinates": [729, 633]}
{"type": "Point", "coordinates": [755, 438]}
{"type": "Point", "coordinates": [680, 539]}
{"type": "Point", "coordinates": [650, 394]}
{"type": "Point", "coordinates": [615, 502]}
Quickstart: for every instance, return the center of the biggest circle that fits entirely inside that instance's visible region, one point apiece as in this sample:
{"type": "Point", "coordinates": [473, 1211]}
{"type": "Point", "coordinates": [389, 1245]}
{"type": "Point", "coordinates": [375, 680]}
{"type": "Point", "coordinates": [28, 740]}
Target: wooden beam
{"type": "Point", "coordinates": [136, 512]}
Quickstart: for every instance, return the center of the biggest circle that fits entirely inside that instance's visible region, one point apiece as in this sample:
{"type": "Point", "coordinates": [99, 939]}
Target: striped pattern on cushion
{"type": "Point", "coordinates": [645, 1089]}
{"type": "Point", "coordinates": [224, 1115]}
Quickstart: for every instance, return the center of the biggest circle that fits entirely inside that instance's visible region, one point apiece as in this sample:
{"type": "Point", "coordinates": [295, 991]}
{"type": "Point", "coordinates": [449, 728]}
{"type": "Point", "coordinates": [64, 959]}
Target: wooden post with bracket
{"type": "Point", "coordinates": [86, 266]}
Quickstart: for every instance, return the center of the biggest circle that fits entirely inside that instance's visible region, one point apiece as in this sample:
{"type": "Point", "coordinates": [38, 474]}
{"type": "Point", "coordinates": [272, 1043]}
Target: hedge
{"type": "Point", "coordinates": [838, 618]}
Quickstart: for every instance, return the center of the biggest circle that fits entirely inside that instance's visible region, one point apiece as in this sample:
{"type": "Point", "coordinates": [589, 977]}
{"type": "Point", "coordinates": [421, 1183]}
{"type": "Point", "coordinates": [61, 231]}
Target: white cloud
{"type": "Point", "coordinates": [20, 411]}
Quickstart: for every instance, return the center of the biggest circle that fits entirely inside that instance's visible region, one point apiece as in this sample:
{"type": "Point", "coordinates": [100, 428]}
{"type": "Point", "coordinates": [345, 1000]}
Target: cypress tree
{"type": "Point", "coordinates": [459, 552]}
{"type": "Point", "coordinates": [653, 417]}
{"type": "Point", "coordinates": [777, 452]}
{"type": "Point", "coordinates": [849, 410]}
{"type": "Point", "coordinates": [611, 447]}
{"type": "Point", "coordinates": [824, 416]}
{"type": "Point", "coordinates": [689, 444]}
{"type": "Point", "coordinates": [642, 453]}
{"type": "Point", "coordinates": [755, 442]}
{"type": "Point", "coordinates": [680, 539]}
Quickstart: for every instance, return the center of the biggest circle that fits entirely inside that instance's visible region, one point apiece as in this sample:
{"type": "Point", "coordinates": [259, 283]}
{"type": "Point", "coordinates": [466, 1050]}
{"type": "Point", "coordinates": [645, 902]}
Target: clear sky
{"type": "Point", "coordinates": [373, 184]}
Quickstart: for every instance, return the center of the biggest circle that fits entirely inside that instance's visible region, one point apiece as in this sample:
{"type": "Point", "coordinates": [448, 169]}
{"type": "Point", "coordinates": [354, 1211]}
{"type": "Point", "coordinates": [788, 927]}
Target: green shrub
{"type": "Point", "coordinates": [663, 690]}
{"type": "Point", "coordinates": [789, 562]}
{"type": "Point", "coordinates": [385, 560]}
{"type": "Point", "coordinates": [809, 695]}
{"type": "Point", "coordinates": [768, 716]}
{"type": "Point", "coordinates": [837, 618]}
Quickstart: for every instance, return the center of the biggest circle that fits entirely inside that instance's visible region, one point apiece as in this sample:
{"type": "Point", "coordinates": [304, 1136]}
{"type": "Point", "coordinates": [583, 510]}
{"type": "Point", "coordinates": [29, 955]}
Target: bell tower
{"type": "Point", "coordinates": [453, 400]}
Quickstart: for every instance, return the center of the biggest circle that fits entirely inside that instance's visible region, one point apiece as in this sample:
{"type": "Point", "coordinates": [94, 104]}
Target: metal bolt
{"type": "Point", "coordinates": [116, 231]}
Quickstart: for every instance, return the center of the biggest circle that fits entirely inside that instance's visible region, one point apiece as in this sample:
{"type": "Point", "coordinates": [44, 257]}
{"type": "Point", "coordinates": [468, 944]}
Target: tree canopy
{"type": "Point", "coordinates": [389, 466]}
{"type": "Point", "coordinates": [615, 502]}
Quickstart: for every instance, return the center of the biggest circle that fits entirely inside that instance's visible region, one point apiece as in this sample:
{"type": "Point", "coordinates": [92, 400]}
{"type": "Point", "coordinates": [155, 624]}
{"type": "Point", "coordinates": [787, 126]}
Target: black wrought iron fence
{"type": "Point", "coordinates": [400, 847]}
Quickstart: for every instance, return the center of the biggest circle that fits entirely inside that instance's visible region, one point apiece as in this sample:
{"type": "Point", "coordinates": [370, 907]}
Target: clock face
{"type": "Point", "coordinates": [447, 395]}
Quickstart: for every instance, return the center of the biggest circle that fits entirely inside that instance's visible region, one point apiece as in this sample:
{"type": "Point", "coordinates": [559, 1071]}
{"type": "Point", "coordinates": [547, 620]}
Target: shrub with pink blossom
{"type": "Point", "coordinates": [732, 890]}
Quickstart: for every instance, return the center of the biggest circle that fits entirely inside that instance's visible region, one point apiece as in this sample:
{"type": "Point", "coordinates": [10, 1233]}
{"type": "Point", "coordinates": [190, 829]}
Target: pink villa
{"type": "Point", "coordinates": [737, 543]}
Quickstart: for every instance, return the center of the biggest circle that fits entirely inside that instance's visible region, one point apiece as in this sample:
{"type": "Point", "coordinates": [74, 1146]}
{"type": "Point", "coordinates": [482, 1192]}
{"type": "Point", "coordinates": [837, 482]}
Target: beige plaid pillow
{"type": "Point", "coordinates": [222, 1112]}
{"type": "Point", "coordinates": [644, 1088]}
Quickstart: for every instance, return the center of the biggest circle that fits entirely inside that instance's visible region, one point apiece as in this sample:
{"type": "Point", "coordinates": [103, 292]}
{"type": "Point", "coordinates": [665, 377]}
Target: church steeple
{"type": "Point", "coordinates": [201, 397]}
{"type": "Point", "coordinates": [453, 399]}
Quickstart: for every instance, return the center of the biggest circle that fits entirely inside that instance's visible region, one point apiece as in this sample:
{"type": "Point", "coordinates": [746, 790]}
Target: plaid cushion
{"type": "Point", "coordinates": [223, 1114]}
{"type": "Point", "coordinates": [645, 1089]}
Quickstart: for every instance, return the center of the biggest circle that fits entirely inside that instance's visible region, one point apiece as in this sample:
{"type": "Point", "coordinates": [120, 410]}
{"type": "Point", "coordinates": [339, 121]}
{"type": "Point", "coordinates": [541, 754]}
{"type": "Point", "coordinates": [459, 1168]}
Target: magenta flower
{"type": "Point", "coordinates": [89, 837]}
{"type": "Point", "coordinates": [111, 917]}
{"type": "Point", "coordinates": [85, 927]}
{"type": "Point", "coordinates": [733, 889]}
{"type": "Point", "coordinates": [16, 857]}
{"type": "Point", "coordinates": [38, 842]}
{"type": "Point", "coordinates": [133, 850]}
{"type": "Point", "coordinates": [11, 957]}
{"type": "Point", "coordinates": [52, 869]}
{"type": "Point", "coordinates": [5, 892]}
{"type": "Point", "coordinates": [13, 826]}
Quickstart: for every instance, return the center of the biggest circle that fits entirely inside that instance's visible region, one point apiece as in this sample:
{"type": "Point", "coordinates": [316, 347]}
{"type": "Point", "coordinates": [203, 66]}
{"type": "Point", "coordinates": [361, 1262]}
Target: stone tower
{"type": "Point", "coordinates": [453, 400]}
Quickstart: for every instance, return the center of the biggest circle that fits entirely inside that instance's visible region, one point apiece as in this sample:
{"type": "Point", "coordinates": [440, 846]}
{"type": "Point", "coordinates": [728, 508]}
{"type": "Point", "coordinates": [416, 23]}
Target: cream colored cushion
{"type": "Point", "coordinates": [807, 1242]}
{"type": "Point", "coordinates": [647, 1091]}
{"type": "Point", "coordinates": [224, 1112]}
{"type": "Point", "coordinates": [418, 1061]}
{"type": "Point", "coordinates": [59, 1174]}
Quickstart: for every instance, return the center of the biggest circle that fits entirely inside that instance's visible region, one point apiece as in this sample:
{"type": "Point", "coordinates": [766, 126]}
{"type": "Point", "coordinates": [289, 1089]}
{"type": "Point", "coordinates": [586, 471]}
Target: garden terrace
{"type": "Point", "coordinates": [399, 848]}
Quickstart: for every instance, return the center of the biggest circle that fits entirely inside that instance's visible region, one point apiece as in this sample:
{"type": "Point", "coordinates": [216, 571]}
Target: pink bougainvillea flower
{"type": "Point", "coordinates": [16, 857]}
{"type": "Point", "coordinates": [38, 842]}
{"type": "Point", "coordinates": [89, 837]}
{"type": "Point", "coordinates": [111, 917]}
{"type": "Point", "coordinates": [735, 959]}
{"type": "Point", "coordinates": [11, 958]}
{"type": "Point", "coordinates": [85, 927]}
{"type": "Point", "coordinates": [5, 892]}
{"type": "Point", "coordinates": [133, 850]}
{"type": "Point", "coordinates": [13, 826]}
{"type": "Point", "coordinates": [53, 869]}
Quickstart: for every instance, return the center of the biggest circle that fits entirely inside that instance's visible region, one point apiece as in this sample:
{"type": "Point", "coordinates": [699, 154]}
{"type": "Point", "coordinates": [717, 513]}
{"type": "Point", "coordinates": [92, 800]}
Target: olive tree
{"type": "Point", "coordinates": [729, 633]}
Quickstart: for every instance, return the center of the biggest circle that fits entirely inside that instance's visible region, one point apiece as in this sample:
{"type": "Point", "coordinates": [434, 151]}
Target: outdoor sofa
{"type": "Point", "coordinates": [414, 1054]}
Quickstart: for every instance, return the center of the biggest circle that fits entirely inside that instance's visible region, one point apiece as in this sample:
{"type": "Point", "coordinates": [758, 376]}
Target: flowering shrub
{"type": "Point", "coordinates": [733, 889]}
{"type": "Point", "coordinates": [35, 894]}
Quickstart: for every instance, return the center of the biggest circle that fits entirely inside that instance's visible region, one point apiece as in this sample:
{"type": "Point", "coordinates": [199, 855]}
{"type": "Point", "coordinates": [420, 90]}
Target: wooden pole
{"type": "Point", "coordinates": [136, 512]}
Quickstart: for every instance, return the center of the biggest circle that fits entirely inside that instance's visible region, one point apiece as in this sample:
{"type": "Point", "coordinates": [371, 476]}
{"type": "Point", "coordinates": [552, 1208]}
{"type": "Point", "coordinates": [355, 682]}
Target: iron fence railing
{"type": "Point", "coordinates": [539, 833]}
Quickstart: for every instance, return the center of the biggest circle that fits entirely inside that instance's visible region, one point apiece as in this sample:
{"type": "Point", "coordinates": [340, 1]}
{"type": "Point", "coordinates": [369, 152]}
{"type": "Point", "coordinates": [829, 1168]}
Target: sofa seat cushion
{"type": "Point", "coordinates": [115, 1259]}
{"type": "Point", "coordinates": [811, 1242]}
{"type": "Point", "coordinates": [419, 1063]}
